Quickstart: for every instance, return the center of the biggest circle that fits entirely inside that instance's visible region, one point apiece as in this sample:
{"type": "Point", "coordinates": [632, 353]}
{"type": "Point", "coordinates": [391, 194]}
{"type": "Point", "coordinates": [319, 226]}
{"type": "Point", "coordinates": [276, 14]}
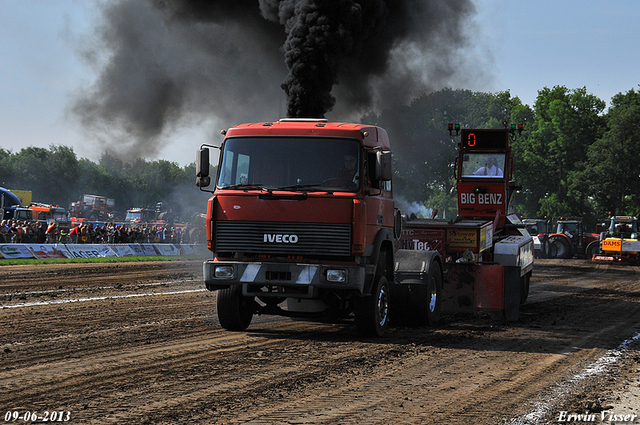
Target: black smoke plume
{"type": "Point", "coordinates": [162, 64]}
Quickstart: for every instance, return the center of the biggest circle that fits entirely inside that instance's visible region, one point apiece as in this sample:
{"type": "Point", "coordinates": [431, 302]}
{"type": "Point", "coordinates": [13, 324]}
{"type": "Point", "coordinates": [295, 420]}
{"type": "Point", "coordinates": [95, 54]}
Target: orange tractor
{"type": "Point", "coordinates": [569, 239]}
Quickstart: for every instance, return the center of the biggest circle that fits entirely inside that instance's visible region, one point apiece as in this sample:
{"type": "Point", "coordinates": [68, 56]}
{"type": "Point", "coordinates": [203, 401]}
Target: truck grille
{"type": "Point", "coordinates": [278, 238]}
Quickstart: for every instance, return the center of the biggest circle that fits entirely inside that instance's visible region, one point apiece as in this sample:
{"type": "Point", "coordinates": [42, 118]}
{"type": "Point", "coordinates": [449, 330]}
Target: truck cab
{"type": "Point", "coordinates": [135, 216]}
{"type": "Point", "coordinates": [301, 222]}
{"type": "Point", "coordinates": [484, 170]}
{"type": "Point", "coordinates": [47, 213]}
{"type": "Point", "coordinates": [23, 214]}
{"type": "Point", "coordinates": [9, 202]}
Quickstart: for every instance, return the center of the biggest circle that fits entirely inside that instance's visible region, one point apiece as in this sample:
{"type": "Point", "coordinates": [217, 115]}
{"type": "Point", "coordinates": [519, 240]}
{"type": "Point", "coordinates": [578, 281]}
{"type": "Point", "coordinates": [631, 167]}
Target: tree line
{"type": "Point", "coordinates": [57, 176]}
{"type": "Point", "coordinates": [576, 157]}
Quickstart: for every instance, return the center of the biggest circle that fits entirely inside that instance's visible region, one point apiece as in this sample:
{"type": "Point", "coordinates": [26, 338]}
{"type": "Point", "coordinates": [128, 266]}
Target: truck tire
{"type": "Point", "coordinates": [235, 311]}
{"type": "Point", "coordinates": [434, 294]}
{"type": "Point", "coordinates": [563, 247]}
{"type": "Point", "coordinates": [372, 312]}
{"type": "Point", "coordinates": [417, 289]}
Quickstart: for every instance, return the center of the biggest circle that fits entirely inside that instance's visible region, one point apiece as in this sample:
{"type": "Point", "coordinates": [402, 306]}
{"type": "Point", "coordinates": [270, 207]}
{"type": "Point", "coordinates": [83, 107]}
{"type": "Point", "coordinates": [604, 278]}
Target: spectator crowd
{"type": "Point", "coordinates": [16, 231]}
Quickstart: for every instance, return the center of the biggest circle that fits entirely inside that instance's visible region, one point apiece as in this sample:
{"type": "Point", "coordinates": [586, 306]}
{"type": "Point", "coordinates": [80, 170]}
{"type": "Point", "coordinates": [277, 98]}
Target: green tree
{"type": "Point", "coordinates": [612, 174]}
{"type": "Point", "coordinates": [56, 176]}
{"type": "Point", "coordinates": [566, 123]}
{"type": "Point", "coordinates": [63, 172]}
{"type": "Point", "coordinates": [160, 178]}
{"type": "Point", "coordinates": [6, 167]}
{"type": "Point", "coordinates": [31, 172]}
{"type": "Point", "coordinates": [424, 152]}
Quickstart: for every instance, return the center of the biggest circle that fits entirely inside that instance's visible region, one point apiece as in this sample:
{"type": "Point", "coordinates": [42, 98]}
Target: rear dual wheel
{"type": "Point", "coordinates": [434, 294]}
{"type": "Point", "coordinates": [417, 297]}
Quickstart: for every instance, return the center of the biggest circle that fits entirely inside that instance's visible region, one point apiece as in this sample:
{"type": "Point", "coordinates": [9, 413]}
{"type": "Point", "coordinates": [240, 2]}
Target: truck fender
{"type": "Point", "coordinates": [412, 264]}
{"type": "Point", "coordinates": [410, 292]}
{"type": "Point", "coordinates": [382, 249]}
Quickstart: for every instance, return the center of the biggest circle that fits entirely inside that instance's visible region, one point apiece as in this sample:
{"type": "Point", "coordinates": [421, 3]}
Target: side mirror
{"type": "Point", "coordinates": [203, 181]}
{"type": "Point", "coordinates": [202, 168]}
{"type": "Point", "coordinates": [383, 166]}
{"type": "Point", "coordinates": [397, 224]}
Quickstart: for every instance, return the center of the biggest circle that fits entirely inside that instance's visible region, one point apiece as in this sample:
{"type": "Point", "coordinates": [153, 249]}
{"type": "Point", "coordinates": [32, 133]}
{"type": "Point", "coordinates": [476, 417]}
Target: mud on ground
{"type": "Point", "coordinates": [140, 343]}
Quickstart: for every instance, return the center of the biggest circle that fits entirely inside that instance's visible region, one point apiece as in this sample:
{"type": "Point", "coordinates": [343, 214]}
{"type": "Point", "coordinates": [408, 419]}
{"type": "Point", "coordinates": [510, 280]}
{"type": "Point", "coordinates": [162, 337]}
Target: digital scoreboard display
{"type": "Point", "coordinates": [484, 139]}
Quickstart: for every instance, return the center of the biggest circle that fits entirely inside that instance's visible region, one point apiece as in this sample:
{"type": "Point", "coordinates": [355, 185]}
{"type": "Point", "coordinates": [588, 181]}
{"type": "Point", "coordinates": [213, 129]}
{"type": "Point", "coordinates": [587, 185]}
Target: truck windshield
{"type": "Point", "coordinates": [133, 216]}
{"type": "Point", "coordinates": [23, 215]}
{"type": "Point", "coordinates": [565, 228]}
{"type": "Point", "coordinates": [485, 165]}
{"type": "Point", "coordinates": [290, 163]}
{"type": "Point", "coordinates": [59, 215]}
{"type": "Point", "coordinates": [621, 226]}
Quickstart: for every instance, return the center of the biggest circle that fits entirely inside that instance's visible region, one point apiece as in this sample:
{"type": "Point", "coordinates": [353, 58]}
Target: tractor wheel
{"type": "Point", "coordinates": [235, 311]}
{"type": "Point", "coordinates": [563, 247]}
{"type": "Point", "coordinates": [372, 312]}
{"type": "Point", "coordinates": [551, 250]}
{"type": "Point", "coordinates": [592, 249]}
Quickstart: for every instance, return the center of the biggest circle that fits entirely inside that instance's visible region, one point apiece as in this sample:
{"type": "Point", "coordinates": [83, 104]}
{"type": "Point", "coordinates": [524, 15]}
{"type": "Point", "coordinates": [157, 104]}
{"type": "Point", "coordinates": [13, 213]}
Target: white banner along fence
{"type": "Point", "coordinates": [43, 251]}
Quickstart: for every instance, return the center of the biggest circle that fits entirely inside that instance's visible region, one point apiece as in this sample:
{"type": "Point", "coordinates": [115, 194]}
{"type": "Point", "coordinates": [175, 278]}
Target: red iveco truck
{"type": "Point", "coordinates": [302, 224]}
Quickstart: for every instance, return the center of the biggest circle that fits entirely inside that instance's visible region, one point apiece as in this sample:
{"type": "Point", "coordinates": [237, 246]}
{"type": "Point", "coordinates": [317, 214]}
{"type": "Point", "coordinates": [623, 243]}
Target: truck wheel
{"type": "Point", "coordinates": [563, 248]}
{"type": "Point", "coordinates": [372, 312]}
{"type": "Point", "coordinates": [434, 294]}
{"type": "Point", "coordinates": [234, 310]}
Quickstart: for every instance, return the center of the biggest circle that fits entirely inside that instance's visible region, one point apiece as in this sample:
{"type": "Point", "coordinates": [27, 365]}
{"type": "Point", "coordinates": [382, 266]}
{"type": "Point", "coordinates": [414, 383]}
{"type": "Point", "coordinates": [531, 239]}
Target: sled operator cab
{"type": "Point", "coordinates": [484, 171]}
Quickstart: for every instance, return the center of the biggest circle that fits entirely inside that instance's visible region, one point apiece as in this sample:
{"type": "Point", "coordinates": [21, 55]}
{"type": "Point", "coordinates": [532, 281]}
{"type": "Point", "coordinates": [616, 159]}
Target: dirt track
{"type": "Point", "coordinates": [140, 343]}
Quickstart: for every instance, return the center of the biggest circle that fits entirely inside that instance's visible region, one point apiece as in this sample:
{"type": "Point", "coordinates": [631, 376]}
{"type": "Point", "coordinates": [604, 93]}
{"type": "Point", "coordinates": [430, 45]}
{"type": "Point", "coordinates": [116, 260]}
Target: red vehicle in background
{"type": "Point", "coordinates": [44, 213]}
{"type": "Point", "coordinates": [569, 239]}
{"type": "Point", "coordinates": [95, 208]}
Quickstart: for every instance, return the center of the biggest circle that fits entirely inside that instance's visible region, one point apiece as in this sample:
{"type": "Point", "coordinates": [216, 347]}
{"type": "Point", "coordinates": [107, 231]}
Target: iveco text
{"type": "Point", "coordinates": [280, 238]}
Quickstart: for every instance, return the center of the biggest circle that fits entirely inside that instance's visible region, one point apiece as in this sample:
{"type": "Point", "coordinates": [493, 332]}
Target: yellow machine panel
{"type": "Point", "coordinates": [612, 245]}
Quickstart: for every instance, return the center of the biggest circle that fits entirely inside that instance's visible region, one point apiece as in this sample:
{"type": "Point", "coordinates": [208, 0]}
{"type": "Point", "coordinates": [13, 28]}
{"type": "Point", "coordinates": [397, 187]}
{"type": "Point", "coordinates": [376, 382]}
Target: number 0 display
{"type": "Point", "coordinates": [484, 139]}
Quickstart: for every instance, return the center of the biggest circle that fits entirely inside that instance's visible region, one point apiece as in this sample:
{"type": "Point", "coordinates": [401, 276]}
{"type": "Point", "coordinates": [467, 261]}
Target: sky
{"type": "Point", "coordinates": [522, 46]}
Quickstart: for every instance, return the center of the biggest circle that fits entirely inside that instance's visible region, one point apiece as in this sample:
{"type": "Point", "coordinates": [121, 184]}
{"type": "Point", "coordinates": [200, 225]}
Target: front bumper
{"type": "Point", "coordinates": [222, 274]}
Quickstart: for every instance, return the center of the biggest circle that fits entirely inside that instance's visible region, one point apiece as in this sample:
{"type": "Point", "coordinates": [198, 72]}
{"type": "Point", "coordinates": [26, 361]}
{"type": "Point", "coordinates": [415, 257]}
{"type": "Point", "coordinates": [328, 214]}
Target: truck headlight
{"type": "Point", "coordinates": [339, 276]}
{"type": "Point", "coordinates": [223, 272]}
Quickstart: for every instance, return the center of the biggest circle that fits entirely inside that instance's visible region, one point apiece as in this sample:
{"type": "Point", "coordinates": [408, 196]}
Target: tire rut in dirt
{"type": "Point", "coordinates": [164, 359]}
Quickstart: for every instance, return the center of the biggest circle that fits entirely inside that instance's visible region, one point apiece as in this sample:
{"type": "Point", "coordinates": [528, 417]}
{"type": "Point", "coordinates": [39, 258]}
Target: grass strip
{"type": "Point", "coordinates": [32, 261]}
